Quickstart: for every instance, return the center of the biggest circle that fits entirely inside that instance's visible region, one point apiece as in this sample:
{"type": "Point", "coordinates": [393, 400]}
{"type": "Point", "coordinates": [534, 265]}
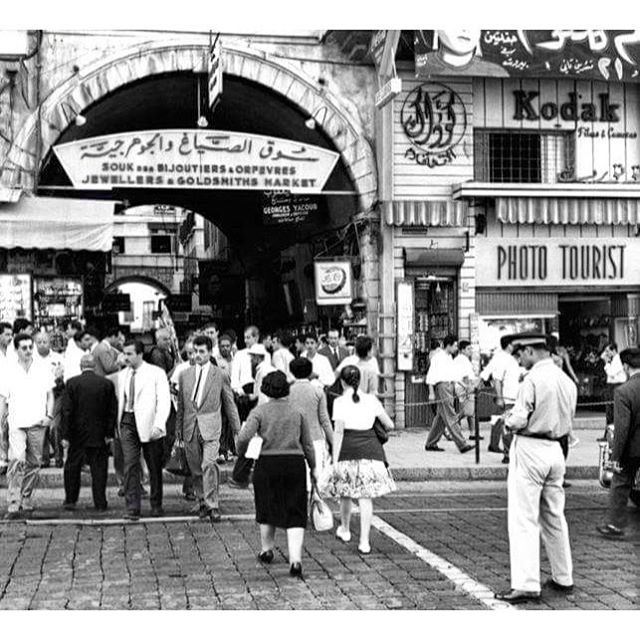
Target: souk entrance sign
{"type": "Point", "coordinates": [196, 159]}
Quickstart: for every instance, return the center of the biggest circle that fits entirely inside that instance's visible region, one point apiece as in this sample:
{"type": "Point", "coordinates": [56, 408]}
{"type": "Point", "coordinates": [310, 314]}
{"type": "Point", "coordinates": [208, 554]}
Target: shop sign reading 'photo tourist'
{"type": "Point", "coordinates": [196, 159]}
{"type": "Point", "coordinates": [556, 262]}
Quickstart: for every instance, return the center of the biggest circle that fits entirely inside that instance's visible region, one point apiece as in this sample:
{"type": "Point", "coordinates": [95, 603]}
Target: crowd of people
{"type": "Point", "coordinates": [314, 409]}
{"type": "Point", "coordinates": [103, 394]}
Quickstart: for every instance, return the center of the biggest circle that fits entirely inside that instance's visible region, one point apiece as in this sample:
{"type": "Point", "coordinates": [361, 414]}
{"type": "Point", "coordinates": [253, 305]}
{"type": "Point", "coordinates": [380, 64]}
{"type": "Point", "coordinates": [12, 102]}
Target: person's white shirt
{"type": "Point", "coordinates": [441, 368]}
{"type": "Point", "coordinates": [262, 370]}
{"type": "Point", "coordinates": [354, 360]}
{"type": "Point", "coordinates": [174, 380]}
{"type": "Point", "coordinates": [72, 356]}
{"type": "Point", "coordinates": [52, 360]}
{"type": "Point", "coordinates": [464, 368]}
{"type": "Point", "coordinates": [358, 416]}
{"type": "Point", "coordinates": [202, 371]}
{"type": "Point", "coordinates": [615, 371]}
{"type": "Point", "coordinates": [281, 360]}
{"type": "Point", "coordinates": [322, 368]}
{"type": "Point", "coordinates": [241, 370]}
{"type": "Point", "coordinates": [26, 393]}
{"type": "Point", "coordinates": [504, 368]}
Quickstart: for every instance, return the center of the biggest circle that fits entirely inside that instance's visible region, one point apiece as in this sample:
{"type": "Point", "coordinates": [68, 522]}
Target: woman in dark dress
{"type": "Point", "coordinates": [279, 477]}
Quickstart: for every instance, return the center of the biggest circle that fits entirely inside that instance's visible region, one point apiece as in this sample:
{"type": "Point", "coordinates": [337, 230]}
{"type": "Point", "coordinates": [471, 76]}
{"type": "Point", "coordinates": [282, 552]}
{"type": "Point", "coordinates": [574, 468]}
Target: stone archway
{"type": "Point", "coordinates": [140, 61]}
{"type": "Point", "coordinates": [112, 286]}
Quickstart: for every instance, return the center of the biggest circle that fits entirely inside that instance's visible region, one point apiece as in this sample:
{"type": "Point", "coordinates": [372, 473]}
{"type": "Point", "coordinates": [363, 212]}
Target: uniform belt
{"type": "Point", "coordinates": [540, 436]}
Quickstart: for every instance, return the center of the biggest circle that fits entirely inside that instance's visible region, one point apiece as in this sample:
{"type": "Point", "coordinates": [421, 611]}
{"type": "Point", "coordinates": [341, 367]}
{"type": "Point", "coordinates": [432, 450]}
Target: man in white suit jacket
{"type": "Point", "coordinates": [143, 409]}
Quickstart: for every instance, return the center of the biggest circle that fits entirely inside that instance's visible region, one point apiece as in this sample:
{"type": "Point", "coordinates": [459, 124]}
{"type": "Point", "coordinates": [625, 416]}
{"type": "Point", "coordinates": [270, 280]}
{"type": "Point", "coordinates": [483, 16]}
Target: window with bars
{"type": "Point", "coordinates": [521, 156]}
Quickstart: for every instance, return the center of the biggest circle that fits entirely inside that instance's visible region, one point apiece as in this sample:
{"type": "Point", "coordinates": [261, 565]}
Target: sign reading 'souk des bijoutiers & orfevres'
{"type": "Point", "coordinates": [196, 159]}
{"type": "Point", "coordinates": [556, 262]}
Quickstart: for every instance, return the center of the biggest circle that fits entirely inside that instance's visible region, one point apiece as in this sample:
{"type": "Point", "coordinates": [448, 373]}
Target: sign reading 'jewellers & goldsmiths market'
{"type": "Point", "coordinates": [196, 159]}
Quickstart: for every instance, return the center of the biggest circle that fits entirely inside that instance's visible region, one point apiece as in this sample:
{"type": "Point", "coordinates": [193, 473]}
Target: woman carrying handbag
{"type": "Point", "coordinates": [359, 471]}
{"type": "Point", "coordinates": [279, 475]}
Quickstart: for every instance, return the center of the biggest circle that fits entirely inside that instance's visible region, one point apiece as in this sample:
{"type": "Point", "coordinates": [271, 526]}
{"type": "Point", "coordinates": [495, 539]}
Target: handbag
{"type": "Point", "coordinates": [380, 431]}
{"type": "Point", "coordinates": [242, 472]}
{"type": "Point", "coordinates": [177, 463]}
{"type": "Point", "coordinates": [321, 515]}
{"type": "Point", "coordinates": [254, 448]}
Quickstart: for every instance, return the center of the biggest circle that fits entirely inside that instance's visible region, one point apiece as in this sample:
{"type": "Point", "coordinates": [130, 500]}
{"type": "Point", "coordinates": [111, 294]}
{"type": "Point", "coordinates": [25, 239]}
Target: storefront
{"type": "Point", "coordinates": [53, 258]}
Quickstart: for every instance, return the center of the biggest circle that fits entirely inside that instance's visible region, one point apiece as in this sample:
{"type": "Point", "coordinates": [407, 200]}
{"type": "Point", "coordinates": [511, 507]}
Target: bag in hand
{"type": "Point", "coordinates": [321, 515]}
{"type": "Point", "coordinates": [242, 471]}
{"type": "Point", "coordinates": [380, 431]}
{"type": "Point", "coordinates": [177, 463]}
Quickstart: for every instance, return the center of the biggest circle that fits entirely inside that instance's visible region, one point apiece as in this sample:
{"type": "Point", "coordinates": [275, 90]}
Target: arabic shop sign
{"type": "Point", "coordinates": [196, 159]}
{"type": "Point", "coordinates": [556, 262]}
{"type": "Point", "coordinates": [434, 119]}
{"type": "Point", "coordinates": [594, 54]}
{"type": "Point", "coordinates": [283, 207]}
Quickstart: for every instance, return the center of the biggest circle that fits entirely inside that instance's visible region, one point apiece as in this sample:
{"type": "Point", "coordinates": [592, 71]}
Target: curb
{"type": "Point", "coordinates": [53, 479]}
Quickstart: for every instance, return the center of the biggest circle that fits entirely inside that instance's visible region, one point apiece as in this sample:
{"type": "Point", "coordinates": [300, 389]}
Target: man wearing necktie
{"type": "Point", "coordinates": [333, 351]}
{"type": "Point", "coordinates": [143, 408]}
{"type": "Point", "coordinates": [203, 392]}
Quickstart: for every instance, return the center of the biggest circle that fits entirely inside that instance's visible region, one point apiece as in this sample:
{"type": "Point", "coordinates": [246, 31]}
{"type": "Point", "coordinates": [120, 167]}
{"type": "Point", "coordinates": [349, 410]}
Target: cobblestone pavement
{"type": "Point", "coordinates": [196, 565]}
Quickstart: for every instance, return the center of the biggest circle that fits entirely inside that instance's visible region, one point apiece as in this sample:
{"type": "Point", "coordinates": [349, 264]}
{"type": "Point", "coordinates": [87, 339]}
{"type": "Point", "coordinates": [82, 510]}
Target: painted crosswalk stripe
{"type": "Point", "coordinates": [462, 581]}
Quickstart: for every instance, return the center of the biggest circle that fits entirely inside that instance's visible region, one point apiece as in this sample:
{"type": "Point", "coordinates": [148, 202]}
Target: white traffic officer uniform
{"type": "Point", "coordinates": [543, 413]}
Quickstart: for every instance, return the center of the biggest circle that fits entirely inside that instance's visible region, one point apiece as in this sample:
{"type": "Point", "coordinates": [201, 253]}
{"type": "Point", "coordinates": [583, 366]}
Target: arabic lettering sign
{"type": "Point", "coordinates": [611, 55]}
{"type": "Point", "coordinates": [195, 159]}
{"type": "Point", "coordinates": [333, 282]}
{"type": "Point", "coordinates": [434, 119]}
{"type": "Point", "coordinates": [282, 207]}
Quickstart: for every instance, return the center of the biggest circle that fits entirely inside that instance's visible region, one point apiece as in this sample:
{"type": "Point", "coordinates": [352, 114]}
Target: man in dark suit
{"type": "Point", "coordinates": [89, 414]}
{"type": "Point", "coordinates": [203, 393]}
{"type": "Point", "coordinates": [625, 453]}
{"type": "Point", "coordinates": [333, 351]}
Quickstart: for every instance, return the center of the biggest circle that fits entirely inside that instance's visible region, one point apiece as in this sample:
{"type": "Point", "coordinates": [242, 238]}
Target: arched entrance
{"type": "Point", "coordinates": [269, 270]}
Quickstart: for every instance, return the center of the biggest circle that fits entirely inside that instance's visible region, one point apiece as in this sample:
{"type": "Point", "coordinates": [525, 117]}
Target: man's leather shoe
{"type": "Point", "coordinates": [266, 556]}
{"type": "Point", "coordinates": [611, 532]}
{"type": "Point", "coordinates": [473, 437]}
{"type": "Point", "coordinates": [12, 515]}
{"type": "Point", "coordinates": [495, 449]}
{"type": "Point", "coordinates": [467, 447]}
{"type": "Point", "coordinates": [513, 596]}
{"type": "Point", "coordinates": [132, 515]}
{"type": "Point", "coordinates": [505, 460]}
{"type": "Point", "coordinates": [214, 515]}
{"type": "Point", "coordinates": [69, 506]}
{"type": "Point", "coordinates": [121, 492]}
{"type": "Point", "coordinates": [295, 570]}
{"type": "Point", "coordinates": [203, 512]}
{"type": "Point", "coordinates": [157, 512]}
{"type": "Point", "coordinates": [433, 447]}
{"type": "Point", "coordinates": [556, 586]}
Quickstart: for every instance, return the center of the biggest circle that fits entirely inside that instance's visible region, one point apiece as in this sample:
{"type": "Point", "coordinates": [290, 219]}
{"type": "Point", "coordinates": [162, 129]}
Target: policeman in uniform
{"type": "Point", "coordinates": [540, 421]}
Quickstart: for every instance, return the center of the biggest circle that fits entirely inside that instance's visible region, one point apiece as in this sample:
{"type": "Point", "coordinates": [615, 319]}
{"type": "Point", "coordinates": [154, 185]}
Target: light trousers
{"type": "Point", "coordinates": [25, 457]}
{"type": "Point", "coordinates": [202, 458]}
{"type": "Point", "coordinates": [535, 510]}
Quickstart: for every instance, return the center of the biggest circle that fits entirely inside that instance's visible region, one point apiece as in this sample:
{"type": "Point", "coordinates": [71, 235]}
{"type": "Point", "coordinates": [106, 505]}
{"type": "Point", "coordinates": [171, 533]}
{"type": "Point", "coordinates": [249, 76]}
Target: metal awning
{"type": "Point", "coordinates": [57, 223]}
{"type": "Point", "coordinates": [426, 213]}
{"type": "Point", "coordinates": [597, 211]}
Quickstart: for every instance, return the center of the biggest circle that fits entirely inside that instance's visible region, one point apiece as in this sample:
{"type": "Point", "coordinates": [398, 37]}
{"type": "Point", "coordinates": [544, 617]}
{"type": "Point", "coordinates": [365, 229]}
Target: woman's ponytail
{"type": "Point", "coordinates": [350, 376]}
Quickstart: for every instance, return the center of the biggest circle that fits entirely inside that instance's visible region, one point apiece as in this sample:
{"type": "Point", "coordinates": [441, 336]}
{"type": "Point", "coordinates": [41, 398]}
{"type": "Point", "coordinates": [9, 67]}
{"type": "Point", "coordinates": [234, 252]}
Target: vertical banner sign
{"type": "Point", "coordinates": [334, 282]}
{"type": "Point", "coordinates": [215, 71]}
{"type": "Point", "coordinates": [404, 322]}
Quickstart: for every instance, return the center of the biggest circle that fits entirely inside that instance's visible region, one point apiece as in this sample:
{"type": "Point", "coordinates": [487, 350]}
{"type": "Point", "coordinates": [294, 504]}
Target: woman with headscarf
{"type": "Point", "coordinates": [359, 471]}
{"type": "Point", "coordinates": [279, 476]}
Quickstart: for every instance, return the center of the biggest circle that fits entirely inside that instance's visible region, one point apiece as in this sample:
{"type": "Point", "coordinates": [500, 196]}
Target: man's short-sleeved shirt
{"type": "Point", "coordinates": [26, 393]}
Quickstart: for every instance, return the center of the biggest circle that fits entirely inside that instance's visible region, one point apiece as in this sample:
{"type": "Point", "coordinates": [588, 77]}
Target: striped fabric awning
{"type": "Point", "coordinates": [426, 213]}
{"type": "Point", "coordinates": [598, 211]}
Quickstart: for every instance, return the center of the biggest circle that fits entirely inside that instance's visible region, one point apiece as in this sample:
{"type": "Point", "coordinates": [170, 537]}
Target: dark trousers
{"type": "Point", "coordinates": [498, 434]}
{"type": "Point", "coordinates": [98, 458]}
{"type": "Point", "coordinates": [153, 453]}
{"type": "Point", "coordinates": [621, 485]}
{"type": "Point", "coordinates": [53, 437]}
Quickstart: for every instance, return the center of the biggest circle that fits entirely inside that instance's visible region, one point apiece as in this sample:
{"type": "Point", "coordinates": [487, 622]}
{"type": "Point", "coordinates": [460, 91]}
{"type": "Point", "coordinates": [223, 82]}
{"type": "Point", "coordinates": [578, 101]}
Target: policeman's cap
{"type": "Point", "coordinates": [536, 340]}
